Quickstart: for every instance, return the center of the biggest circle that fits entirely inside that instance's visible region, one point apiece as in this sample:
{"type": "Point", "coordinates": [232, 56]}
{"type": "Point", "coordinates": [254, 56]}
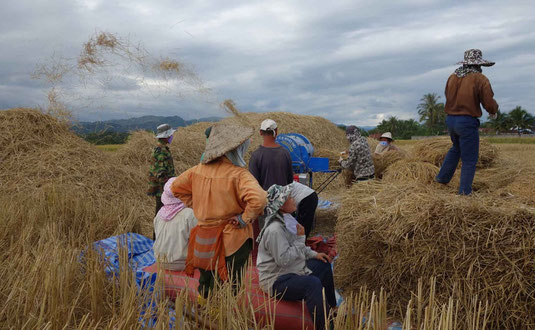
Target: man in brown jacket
{"type": "Point", "coordinates": [466, 89]}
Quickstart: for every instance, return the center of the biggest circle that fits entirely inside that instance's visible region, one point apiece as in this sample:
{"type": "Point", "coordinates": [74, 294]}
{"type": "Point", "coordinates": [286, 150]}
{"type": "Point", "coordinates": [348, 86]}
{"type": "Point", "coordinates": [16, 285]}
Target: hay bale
{"type": "Point", "coordinates": [391, 234]}
{"type": "Point", "coordinates": [383, 161]}
{"type": "Point", "coordinates": [434, 151]}
{"type": "Point", "coordinates": [410, 171]}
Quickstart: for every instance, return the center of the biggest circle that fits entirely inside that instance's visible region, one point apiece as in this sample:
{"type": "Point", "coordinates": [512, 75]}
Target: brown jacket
{"type": "Point", "coordinates": [463, 95]}
{"type": "Point", "coordinates": [218, 191]}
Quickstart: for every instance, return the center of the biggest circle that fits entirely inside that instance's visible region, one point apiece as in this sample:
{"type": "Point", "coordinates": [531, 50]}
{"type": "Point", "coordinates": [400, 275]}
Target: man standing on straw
{"type": "Point", "coordinates": [162, 167]}
{"type": "Point", "coordinates": [466, 89]}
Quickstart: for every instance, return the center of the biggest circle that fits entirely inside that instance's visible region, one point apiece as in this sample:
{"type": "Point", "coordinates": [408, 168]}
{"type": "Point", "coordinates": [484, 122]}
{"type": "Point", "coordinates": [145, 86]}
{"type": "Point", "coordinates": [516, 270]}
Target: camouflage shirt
{"type": "Point", "coordinates": [161, 169]}
{"type": "Point", "coordinates": [360, 156]}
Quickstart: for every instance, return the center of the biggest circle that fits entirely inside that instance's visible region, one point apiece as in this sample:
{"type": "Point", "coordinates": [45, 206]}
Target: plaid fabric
{"type": "Point", "coordinates": [140, 255]}
{"type": "Point", "coordinates": [139, 247]}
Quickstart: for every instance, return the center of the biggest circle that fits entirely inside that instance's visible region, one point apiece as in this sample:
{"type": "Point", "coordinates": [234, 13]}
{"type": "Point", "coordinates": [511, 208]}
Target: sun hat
{"type": "Point", "coordinates": [475, 57]}
{"type": "Point", "coordinates": [224, 138]}
{"type": "Point", "coordinates": [387, 135]}
{"type": "Point", "coordinates": [268, 124]}
{"type": "Point", "coordinates": [164, 131]}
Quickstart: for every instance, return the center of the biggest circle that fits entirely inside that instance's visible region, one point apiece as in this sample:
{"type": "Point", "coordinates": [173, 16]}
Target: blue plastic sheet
{"type": "Point", "coordinates": [140, 255]}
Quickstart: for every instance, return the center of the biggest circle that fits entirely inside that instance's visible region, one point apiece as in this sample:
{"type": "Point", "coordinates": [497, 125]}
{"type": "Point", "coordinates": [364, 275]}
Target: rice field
{"type": "Point", "coordinates": [410, 250]}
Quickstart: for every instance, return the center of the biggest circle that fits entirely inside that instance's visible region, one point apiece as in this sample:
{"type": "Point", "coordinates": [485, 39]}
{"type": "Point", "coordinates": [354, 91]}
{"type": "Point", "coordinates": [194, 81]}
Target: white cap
{"type": "Point", "coordinates": [387, 135]}
{"type": "Point", "coordinates": [268, 124]}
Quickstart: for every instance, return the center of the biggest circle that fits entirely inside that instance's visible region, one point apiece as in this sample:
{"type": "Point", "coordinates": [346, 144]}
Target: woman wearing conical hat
{"type": "Point", "coordinates": [466, 89]}
{"type": "Point", "coordinates": [226, 199]}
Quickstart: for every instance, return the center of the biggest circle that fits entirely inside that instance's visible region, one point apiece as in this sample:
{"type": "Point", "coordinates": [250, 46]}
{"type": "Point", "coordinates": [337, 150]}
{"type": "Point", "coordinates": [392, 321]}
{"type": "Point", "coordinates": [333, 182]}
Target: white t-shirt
{"type": "Point", "coordinates": [300, 192]}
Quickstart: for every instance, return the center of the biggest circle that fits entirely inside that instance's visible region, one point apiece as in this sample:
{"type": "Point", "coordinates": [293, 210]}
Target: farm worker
{"type": "Point", "coordinates": [225, 199]}
{"type": "Point", "coordinates": [385, 144]}
{"type": "Point", "coordinates": [172, 226]}
{"type": "Point", "coordinates": [207, 134]}
{"type": "Point", "coordinates": [162, 167]}
{"type": "Point", "coordinates": [466, 89]}
{"type": "Point", "coordinates": [306, 200]}
{"type": "Point", "coordinates": [270, 163]}
{"type": "Point", "coordinates": [287, 268]}
{"type": "Point", "coordinates": [359, 159]}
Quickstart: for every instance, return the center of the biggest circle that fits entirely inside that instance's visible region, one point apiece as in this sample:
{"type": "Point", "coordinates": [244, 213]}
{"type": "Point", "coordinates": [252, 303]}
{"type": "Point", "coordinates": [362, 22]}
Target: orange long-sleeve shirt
{"type": "Point", "coordinates": [218, 191]}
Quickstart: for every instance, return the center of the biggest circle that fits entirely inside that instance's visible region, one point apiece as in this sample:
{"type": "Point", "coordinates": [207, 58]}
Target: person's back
{"type": "Point", "coordinates": [271, 163]}
{"type": "Point", "coordinates": [465, 94]}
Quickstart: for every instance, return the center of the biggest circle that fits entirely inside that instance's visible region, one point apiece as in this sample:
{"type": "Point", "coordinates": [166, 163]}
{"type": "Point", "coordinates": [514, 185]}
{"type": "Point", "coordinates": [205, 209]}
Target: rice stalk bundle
{"type": "Point", "coordinates": [382, 161]}
{"type": "Point", "coordinates": [390, 234]}
{"type": "Point", "coordinates": [434, 151]}
{"type": "Point", "coordinates": [410, 171]}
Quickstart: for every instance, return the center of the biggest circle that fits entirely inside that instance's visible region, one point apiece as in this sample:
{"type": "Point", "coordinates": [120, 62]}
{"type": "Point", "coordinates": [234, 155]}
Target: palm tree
{"type": "Point", "coordinates": [521, 119]}
{"type": "Point", "coordinates": [432, 113]}
{"type": "Point", "coordinates": [501, 123]}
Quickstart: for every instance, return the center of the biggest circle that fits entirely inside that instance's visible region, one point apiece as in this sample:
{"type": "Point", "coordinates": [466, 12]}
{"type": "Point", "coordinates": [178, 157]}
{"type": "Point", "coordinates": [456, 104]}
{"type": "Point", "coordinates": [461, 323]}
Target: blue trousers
{"type": "Point", "coordinates": [465, 138]}
{"type": "Point", "coordinates": [309, 288]}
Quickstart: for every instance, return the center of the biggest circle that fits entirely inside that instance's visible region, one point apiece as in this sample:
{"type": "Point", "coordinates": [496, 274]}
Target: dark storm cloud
{"type": "Point", "coordinates": [352, 62]}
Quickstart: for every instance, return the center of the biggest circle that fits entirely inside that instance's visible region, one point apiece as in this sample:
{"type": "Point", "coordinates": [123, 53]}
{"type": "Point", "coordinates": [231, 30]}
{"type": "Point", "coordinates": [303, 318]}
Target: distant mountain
{"type": "Point", "coordinates": [367, 128]}
{"type": "Point", "coordinates": [139, 123]}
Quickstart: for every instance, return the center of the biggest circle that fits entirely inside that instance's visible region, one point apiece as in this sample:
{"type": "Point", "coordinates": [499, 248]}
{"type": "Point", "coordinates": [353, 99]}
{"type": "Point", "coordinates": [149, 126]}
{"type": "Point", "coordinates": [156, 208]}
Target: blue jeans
{"type": "Point", "coordinates": [309, 288]}
{"type": "Point", "coordinates": [465, 137]}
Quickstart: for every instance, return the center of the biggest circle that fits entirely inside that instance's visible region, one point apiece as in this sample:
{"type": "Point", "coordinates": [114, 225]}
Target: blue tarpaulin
{"type": "Point", "coordinates": [140, 255]}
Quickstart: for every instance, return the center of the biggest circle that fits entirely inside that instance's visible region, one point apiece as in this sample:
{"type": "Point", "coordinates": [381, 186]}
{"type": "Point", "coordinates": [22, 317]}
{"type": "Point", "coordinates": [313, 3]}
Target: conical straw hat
{"type": "Point", "coordinates": [224, 138]}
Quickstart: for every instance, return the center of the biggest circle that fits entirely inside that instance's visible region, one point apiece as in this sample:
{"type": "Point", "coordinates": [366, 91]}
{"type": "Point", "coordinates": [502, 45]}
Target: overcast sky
{"type": "Point", "coordinates": [349, 61]}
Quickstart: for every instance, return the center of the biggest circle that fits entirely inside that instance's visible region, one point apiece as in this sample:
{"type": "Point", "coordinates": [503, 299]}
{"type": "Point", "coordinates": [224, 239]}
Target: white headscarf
{"type": "Point", "coordinates": [236, 155]}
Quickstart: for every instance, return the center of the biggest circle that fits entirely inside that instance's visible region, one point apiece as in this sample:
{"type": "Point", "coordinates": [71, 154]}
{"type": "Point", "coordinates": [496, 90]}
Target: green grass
{"type": "Point", "coordinates": [518, 140]}
{"type": "Point", "coordinates": [491, 139]}
{"type": "Point", "coordinates": [109, 147]}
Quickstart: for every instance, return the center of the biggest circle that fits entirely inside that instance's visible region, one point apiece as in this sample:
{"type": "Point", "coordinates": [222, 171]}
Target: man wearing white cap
{"type": "Point", "coordinates": [162, 167]}
{"type": "Point", "coordinates": [271, 163]}
{"type": "Point", "coordinates": [385, 144]}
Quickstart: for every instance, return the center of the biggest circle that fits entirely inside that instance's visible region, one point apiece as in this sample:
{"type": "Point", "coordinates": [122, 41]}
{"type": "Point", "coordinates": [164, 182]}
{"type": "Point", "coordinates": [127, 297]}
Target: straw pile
{"type": "Point", "coordinates": [383, 161]}
{"type": "Point", "coordinates": [40, 152]}
{"type": "Point", "coordinates": [410, 171]}
{"type": "Point", "coordinates": [189, 142]}
{"type": "Point", "coordinates": [434, 151]}
{"type": "Point", "coordinates": [394, 232]}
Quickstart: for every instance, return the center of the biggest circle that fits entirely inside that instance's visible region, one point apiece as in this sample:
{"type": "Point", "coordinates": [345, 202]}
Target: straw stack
{"type": "Point", "coordinates": [390, 234]}
{"type": "Point", "coordinates": [434, 151]}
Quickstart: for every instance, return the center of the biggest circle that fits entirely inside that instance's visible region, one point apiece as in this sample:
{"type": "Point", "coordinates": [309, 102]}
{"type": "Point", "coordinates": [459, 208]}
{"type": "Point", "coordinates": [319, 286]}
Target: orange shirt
{"type": "Point", "coordinates": [218, 191]}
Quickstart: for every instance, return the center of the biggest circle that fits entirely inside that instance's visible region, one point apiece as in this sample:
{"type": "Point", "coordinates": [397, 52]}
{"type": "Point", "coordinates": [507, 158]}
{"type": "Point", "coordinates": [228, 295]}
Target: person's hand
{"type": "Point", "coordinates": [234, 221]}
{"type": "Point", "coordinates": [493, 115]}
{"type": "Point", "coordinates": [323, 257]}
{"type": "Point", "coordinates": [300, 230]}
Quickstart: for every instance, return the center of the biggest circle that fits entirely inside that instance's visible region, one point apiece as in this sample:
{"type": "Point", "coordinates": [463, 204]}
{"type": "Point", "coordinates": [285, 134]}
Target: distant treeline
{"type": "Point", "coordinates": [106, 137]}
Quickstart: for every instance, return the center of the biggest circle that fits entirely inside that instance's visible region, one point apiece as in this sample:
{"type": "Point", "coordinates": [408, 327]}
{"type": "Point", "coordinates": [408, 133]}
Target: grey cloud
{"type": "Point", "coordinates": [354, 62]}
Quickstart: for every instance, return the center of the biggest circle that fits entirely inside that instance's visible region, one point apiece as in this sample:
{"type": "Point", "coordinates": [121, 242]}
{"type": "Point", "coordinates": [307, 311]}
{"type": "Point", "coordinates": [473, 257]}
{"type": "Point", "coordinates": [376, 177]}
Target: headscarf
{"type": "Point", "coordinates": [236, 155]}
{"type": "Point", "coordinates": [277, 196]}
{"type": "Point", "coordinates": [171, 204]}
{"type": "Point", "coordinates": [352, 133]}
{"type": "Point", "coordinates": [466, 69]}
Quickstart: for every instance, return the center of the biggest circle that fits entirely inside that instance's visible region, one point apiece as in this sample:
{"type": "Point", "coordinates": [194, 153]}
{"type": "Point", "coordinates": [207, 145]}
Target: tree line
{"type": "Point", "coordinates": [432, 121]}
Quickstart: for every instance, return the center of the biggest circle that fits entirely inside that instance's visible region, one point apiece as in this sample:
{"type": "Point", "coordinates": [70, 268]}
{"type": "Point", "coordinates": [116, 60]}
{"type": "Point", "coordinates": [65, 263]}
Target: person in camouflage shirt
{"type": "Point", "coordinates": [162, 167]}
{"type": "Point", "coordinates": [360, 157]}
